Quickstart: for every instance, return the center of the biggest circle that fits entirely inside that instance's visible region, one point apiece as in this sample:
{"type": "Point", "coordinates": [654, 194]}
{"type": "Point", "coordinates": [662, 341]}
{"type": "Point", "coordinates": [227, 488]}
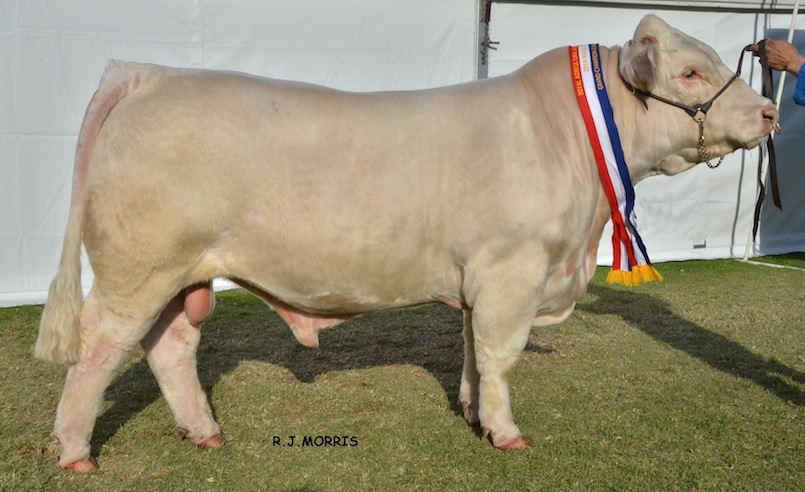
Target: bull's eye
{"type": "Point", "coordinates": [689, 74]}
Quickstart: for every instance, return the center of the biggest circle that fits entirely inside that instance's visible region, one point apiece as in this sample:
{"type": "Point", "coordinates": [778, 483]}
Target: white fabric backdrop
{"type": "Point", "coordinates": [53, 54]}
{"type": "Point", "coordinates": [702, 213]}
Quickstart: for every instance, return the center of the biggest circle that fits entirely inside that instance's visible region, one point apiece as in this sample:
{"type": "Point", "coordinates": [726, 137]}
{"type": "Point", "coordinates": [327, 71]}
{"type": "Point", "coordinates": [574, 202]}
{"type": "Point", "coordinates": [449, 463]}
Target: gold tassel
{"type": "Point", "coordinates": [639, 274]}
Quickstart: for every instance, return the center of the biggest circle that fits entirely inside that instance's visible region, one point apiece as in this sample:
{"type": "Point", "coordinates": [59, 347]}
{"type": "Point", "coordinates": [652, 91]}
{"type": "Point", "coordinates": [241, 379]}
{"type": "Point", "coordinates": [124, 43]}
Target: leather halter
{"type": "Point", "coordinates": [697, 112]}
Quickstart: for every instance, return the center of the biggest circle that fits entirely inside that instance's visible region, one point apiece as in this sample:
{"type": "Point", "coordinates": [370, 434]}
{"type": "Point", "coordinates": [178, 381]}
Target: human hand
{"type": "Point", "coordinates": [781, 55]}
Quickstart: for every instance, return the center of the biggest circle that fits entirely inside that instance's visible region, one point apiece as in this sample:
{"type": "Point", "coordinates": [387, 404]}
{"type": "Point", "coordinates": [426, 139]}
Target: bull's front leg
{"type": "Point", "coordinates": [501, 324]}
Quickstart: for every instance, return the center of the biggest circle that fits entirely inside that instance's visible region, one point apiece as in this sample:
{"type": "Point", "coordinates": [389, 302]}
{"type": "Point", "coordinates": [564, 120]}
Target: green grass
{"type": "Point", "coordinates": [796, 260]}
{"type": "Point", "coordinates": [695, 383]}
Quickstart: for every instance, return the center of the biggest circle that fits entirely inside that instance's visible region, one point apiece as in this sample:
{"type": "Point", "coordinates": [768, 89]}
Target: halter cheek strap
{"type": "Point", "coordinates": [697, 112]}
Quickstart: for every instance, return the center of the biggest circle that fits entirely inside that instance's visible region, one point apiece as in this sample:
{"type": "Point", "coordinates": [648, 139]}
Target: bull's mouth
{"type": "Point", "coordinates": [751, 144]}
{"type": "Point", "coordinates": [774, 127]}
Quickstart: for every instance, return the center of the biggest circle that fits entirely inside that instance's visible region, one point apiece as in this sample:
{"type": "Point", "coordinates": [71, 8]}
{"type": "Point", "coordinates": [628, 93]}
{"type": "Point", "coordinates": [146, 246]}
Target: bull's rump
{"type": "Point", "coordinates": [309, 193]}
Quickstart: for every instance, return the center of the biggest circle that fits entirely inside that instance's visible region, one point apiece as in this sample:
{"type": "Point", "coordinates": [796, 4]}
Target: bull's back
{"type": "Point", "coordinates": [273, 175]}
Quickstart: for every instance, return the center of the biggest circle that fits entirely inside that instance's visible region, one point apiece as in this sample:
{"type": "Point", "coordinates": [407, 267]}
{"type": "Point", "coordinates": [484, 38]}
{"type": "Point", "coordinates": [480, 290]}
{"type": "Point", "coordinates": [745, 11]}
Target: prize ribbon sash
{"type": "Point", "coordinates": [630, 263]}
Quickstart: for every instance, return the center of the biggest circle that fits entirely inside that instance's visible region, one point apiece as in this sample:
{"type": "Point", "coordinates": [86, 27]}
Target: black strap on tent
{"type": "Point", "coordinates": [766, 90]}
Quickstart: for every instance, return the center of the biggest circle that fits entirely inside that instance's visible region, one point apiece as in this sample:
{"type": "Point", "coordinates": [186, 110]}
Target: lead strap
{"type": "Point", "coordinates": [767, 89]}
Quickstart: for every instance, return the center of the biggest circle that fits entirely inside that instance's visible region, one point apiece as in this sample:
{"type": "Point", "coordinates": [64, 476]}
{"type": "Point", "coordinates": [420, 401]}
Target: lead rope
{"type": "Point", "coordinates": [767, 89]}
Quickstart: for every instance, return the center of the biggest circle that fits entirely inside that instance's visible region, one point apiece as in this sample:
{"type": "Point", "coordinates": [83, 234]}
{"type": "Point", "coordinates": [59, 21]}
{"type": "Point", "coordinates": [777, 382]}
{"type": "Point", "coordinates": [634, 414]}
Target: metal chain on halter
{"type": "Point", "coordinates": [703, 155]}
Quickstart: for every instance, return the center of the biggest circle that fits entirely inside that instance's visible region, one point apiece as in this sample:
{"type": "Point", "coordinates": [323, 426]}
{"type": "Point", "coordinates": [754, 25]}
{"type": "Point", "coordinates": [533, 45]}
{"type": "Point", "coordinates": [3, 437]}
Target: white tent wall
{"type": "Point", "coordinates": [702, 213]}
{"type": "Point", "coordinates": [53, 54]}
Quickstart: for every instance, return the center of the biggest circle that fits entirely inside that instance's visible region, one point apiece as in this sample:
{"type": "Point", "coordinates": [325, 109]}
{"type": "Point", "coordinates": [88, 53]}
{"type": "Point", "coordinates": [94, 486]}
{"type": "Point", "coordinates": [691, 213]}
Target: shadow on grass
{"type": "Point", "coordinates": [243, 329]}
{"type": "Point", "coordinates": [653, 317]}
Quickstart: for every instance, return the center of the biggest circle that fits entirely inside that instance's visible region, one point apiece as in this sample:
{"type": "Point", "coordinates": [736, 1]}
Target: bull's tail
{"type": "Point", "coordinates": [59, 339]}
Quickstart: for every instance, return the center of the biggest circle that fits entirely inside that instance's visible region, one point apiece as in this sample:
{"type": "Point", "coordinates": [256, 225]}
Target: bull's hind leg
{"type": "Point", "coordinates": [106, 337]}
{"type": "Point", "coordinates": [170, 348]}
{"type": "Point", "coordinates": [470, 378]}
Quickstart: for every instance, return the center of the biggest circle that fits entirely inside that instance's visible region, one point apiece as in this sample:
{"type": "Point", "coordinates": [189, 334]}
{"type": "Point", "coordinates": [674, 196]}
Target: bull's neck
{"type": "Point", "coordinates": [626, 109]}
{"type": "Point", "coordinates": [646, 144]}
{"type": "Point", "coordinates": [642, 148]}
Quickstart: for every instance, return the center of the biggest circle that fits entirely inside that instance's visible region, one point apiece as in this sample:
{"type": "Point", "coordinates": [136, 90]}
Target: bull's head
{"type": "Point", "coordinates": [663, 63]}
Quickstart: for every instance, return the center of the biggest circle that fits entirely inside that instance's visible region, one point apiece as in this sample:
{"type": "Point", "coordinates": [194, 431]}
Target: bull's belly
{"type": "Point", "coordinates": [321, 291]}
{"type": "Point", "coordinates": [345, 284]}
{"type": "Point", "coordinates": [314, 294]}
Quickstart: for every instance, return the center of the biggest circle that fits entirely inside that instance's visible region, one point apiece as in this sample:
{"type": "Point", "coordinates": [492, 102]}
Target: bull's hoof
{"type": "Point", "coordinates": [84, 465]}
{"type": "Point", "coordinates": [470, 414]}
{"type": "Point", "coordinates": [516, 444]}
{"type": "Point", "coordinates": [212, 442]}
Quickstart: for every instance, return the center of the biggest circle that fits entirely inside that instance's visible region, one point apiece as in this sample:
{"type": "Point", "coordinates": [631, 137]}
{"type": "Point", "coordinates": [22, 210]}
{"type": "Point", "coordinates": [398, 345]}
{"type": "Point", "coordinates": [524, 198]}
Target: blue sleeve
{"type": "Point", "coordinates": [799, 93]}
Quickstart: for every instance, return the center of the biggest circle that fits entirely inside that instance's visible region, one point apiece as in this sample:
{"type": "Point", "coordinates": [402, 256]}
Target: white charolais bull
{"type": "Point", "coordinates": [326, 204]}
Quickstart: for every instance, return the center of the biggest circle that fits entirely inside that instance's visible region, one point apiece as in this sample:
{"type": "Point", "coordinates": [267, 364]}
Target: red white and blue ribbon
{"type": "Point", "coordinates": [631, 265]}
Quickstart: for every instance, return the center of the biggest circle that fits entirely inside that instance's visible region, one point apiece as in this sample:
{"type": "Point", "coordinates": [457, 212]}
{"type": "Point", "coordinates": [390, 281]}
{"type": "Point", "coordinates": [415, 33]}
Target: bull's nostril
{"type": "Point", "coordinates": [771, 115]}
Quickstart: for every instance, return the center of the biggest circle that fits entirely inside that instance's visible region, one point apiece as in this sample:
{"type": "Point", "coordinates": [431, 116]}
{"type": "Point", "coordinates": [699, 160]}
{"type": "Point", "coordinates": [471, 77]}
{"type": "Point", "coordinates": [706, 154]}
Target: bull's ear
{"type": "Point", "coordinates": [638, 57]}
{"type": "Point", "coordinates": [637, 63]}
{"type": "Point", "coordinates": [650, 27]}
